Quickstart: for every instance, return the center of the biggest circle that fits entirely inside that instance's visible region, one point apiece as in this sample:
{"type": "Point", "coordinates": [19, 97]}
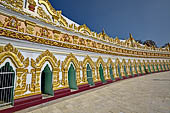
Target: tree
{"type": "Point", "coordinates": [165, 45]}
{"type": "Point", "coordinates": [139, 41]}
{"type": "Point", "coordinates": [150, 43]}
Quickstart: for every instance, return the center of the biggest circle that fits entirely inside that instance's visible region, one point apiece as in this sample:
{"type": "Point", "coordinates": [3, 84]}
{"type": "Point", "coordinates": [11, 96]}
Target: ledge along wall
{"type": "Point", "coordinates": [51, 56]}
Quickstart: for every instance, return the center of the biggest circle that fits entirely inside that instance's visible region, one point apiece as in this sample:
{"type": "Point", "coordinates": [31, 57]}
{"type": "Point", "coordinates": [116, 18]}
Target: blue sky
{"type": "Point", "coordinates": [145, 19]}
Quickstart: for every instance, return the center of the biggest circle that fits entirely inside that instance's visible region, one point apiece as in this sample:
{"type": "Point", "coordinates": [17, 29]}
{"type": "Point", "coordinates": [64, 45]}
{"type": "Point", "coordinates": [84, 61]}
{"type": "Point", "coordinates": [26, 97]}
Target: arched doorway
{"type": "Point", "coordinates": [153, 68]}
{"type": "Point", "coordinates": [157, 66]}
{"type": "Point", "coordinates": [111, 72]}
{"type": "Point", "coordinates": [140, 68]}
{"type": "Point", "coordinates": [101, 74]}
{"type": "Point", "coordinates": [131, 70]}
{"type": "Point", "coordinates": [164, 66]}
{"type": "Point", "coordinates": [72, 78]}
{"type": "Point", "coordinates": [125, 71]}
{"type": "Point", "coordinates": [136, 69]}
{"type": "Point", "coordinates": [145, 69]}
{"type": "Point", "coordinates": [167, 66]}
{"type": "Point", "coordinates": [7, 76]}
{"type": "Point", "coordinates": [119, 73]}
{"type": "Point", "coordinates": [89, 75]}
{"type": "Point", "coordinates": [149, 68]}
{"type": "Point", "coordinates": [46, 81]}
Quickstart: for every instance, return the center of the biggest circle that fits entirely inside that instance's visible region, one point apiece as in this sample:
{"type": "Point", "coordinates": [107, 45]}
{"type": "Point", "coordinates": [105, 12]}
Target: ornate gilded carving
{"type": "Point", "coordinates": [32, 5]}
{"type": "Point", "coordinates": [49, 7]}
{"type": "Point", "coordinates": [30, 26]}
{"type": "Point", "coordinates": [134, 67]}
{"type": "Point", "coordinates": [101, 48]}
{"type": "Point", "coordinates": [88, 60]}
{"type": "Point", "coordinates": [12, 23]}
{"type": "Point", "coordinates": [17, 58]}
{"type": "Point", "coordinates": [18, 4]}
{"type": "Point", "coordinates": [84, 29]}
{"type": "Point", "coordinates": [65, 65]}
{"type": "Point", "coordinates": [129, 67]}
{"type": "Point", "coordinates": [123, 68]}
{"type": "Point", "coordinates": [36, 72]}
{"type": "Point", "coordinates": [43, 14]}
{"type": "Point", "coordinates": [100, 61]}
{"type": "Point", "coordinates": [109, 62]}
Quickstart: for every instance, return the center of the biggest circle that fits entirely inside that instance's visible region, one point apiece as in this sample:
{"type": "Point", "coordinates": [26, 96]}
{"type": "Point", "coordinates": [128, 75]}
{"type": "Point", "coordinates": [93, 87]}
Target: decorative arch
{"type": "Point", "coordinates": [129, 68]}
{"type": "Point", "coordinates": [8, 51]}
{"type": "Point", "coordinates": [140, 67]}
{"type": "Point", "coordinates": [149, 66]}
{"type": "Point", "coordinates": [160, 64]}
{"type": "Point", "coordinates": [109, 62]}
{"type": "Point", "coordinates": [124, 68]}
{"type": "Point", "coordinates": [87, 60]}
{"type": "Point", "coordinates": [117, 70]}
{"type": "Point", "coordinates": [134, 64]}
{"type": "Point", "coordinates": [83, 28]}
{"type": "Point", "coordinates": [49, 7]}
{"type": "Point", "coordinates": [167, 66]}
{"type": "Point", "coordinates": [100, 61]}
{"type": "Point", "coordinates": [157, 65]}
{"type": "Point", "coordinates": [164, 67]}
{"type": "Point", "coordinates": [37, 65]}
{"type": "Point", "coordinates": [65, 66]}
{"type": "Point", "coordinates": [152, 66]}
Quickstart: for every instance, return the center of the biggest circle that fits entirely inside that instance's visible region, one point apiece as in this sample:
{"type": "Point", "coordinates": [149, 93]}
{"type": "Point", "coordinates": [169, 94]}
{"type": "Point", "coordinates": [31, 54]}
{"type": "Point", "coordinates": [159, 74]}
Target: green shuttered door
{"type": "Point", "coordinates": [101, 74]}
{"type": "Point", "coordinates": [149, 68]}
{"type": "Point", "coordinates": [157, 66]}
{"type": "Point", "coordinates": [46, 81]}
{"type": "Point", "coordinates": [125, 71]}
{"type": "Point", "coordinates": [120, 76]}
{"type": "Point", "coordinates": [111, 72]}
{"type": "Point", "coordinates": [72, 78]}
{"type": "Point", "coordinates": [89, 75]}
{"type": "Point", "coordinates": [140, 69]}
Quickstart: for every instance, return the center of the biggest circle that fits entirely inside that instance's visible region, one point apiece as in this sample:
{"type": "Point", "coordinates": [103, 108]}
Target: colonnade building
{"type": "Point", "coordinates": [45, 55]}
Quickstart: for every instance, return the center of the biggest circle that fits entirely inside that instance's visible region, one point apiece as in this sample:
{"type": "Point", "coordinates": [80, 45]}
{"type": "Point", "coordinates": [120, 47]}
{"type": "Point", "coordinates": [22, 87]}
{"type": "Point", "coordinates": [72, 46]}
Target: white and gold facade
{"type": "Point", "coordinates": [33, 34]}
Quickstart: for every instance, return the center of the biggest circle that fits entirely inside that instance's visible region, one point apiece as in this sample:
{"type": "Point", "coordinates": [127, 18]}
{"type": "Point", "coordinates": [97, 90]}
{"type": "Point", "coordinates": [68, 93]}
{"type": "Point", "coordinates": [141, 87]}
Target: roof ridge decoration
{"type": "Point", "coordinates": [49, 7]}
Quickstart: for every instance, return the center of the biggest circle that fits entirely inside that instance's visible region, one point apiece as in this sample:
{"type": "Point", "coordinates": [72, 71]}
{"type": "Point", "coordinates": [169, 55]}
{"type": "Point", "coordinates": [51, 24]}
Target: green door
{"type": "Point", "coordinates": [46, 81]}
{"type": "Point", "coordinates": [72, 78]}
{"type": "Point", "coordinates": [153, 67]}
{"type": "Point", "coordinates": [111, 72]}
{"type": "Point", "coordinates": [136, 70]}
{"type": "Point", "coordinates": [145, 68]}
{"type": "Point", "coordinates": [89, 75]}
{"type": "Point", "coordinates": [149, 68]}
{"type": "Point", "coordinates": [164, 66]}
{"type": "Point", "coordinates": [140, 69]}
{"type": "Point", "coordinates": [125, 71]}
{"type": "Point", "coordinates": [157, 66]}
{"type": "Point", "coordinates": [167, 66]}
{"type": "Point", "coordinates": [7, 76]}
{"type": "Point", "coordinates": [161, 67]}
{"type": "Point", "coordinates": [101, 74]}
{"type": "Point", "coordinates": [131, 70]}
{"type": "Point", "coordinates": [120, 76]}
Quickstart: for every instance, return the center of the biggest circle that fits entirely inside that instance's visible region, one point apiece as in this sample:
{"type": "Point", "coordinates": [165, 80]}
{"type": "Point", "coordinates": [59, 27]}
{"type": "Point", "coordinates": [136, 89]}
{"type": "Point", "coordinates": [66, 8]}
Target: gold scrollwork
{"type": "Point", "coordinates": [109, 62]}
{"type": "Point", "coordinates": [100, 61]}
{"type": "Point", "coordinates": [88, 60]}
{"type": "Point", "coordinates": [38, 64]}
{"type": "Point", "coordinates": [17, 58]}
{"type": "Point", "coordinates": [43, 14]}
{"type": "Point", "coordinates": [65, 65]}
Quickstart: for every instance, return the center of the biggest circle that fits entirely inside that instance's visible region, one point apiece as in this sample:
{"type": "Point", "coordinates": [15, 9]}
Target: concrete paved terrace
{"type": "Point", "coordinates": [145, 94]}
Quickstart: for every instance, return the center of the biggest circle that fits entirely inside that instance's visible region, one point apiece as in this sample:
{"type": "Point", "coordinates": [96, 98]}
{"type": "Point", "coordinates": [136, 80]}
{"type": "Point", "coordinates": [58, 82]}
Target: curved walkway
{"type": "Point", "coordinates": [145, 94]}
